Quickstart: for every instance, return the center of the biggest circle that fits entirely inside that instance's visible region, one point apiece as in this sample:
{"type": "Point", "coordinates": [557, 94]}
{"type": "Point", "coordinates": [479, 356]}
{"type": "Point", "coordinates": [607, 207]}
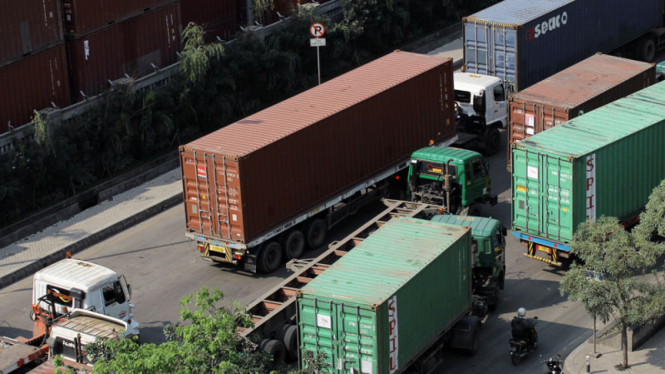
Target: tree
{"type": "Point", "coordinates": [606, 248]}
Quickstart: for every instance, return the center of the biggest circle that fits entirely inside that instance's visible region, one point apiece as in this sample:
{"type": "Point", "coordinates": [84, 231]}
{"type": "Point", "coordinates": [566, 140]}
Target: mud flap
{"type": "Point", "coordinates": [249, 260]}
{"type": "Point", "coordinates": [464, 332]}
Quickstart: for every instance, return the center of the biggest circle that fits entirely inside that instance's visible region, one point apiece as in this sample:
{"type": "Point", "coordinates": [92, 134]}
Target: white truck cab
{"type": "Point", "coordinates": [483, 97]}
{"type": "Point", "coordinates": [72, 283]}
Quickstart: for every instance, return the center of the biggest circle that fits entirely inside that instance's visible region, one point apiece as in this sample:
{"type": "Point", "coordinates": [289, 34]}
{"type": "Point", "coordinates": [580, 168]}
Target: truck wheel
{"type": "Point", "coordinates": [276, 350]}
{"type": "Point", "coordinates": [492, 141]}
{"type": "Point", "coordinates": [289, 336]}
{"type": "Point", "coordinates": [293, 244]}
{"type": "Point", "coordinates": [475, 210]}
{"type": "Point", "coordinates": [475, 342]}
{"type": "Point", "coordinates": [270, 257]}
{"type": "Point", "coordinates": [315, 233]}
{"type": "Point", "coordinates": [646, 49]}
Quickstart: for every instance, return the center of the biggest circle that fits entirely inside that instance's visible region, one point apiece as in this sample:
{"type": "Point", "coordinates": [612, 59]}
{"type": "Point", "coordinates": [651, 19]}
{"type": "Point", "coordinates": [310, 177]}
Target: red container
{"type": "Point", "coordinates": [583, 87]}
{"type": "Point", "coordinates": [85, 16]}
{"type": "Point", "coordinates": [28, 27]}
{"type": "Point", "coordinates": [129, 48]}
{"type": "Point", "coordinates": [279, 163]}
{"type": "Point", "coordinates": [32, 84]}
{"type": "Point", "coordinates": [218, 16]}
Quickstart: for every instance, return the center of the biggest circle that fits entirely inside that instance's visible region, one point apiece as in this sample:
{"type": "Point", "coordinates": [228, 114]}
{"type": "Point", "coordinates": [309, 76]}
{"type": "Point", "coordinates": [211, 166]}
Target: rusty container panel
{"type": "Point", "coordinates": [583, 87]}
{"type": "Point", "coordinates": [218, 17]}
{"type": "Point", "coordinates": [129, 48]}
{"type": "Point", "coordinates": [286, 160]}
{"type": "Point", "coordinates": [33, 83]}
{"type": "Point", "coordinates": [28, 27]}
{"type": "Point", "coordinates": [84, 16]}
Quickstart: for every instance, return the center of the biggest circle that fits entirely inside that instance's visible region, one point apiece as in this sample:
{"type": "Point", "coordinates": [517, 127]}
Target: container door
{"type": "Point", "coordinates": [227, 217]}
{"type": "Point", "coordinates": [557, 198]}
{"type": "Point", "coordinates": [526, 191]}
{"type": "Point", "coordinates": [490, 50]}
{"type": "Point", "coordinates": [196, 189]}
{"type": "Point", "coordinates": [346, 334]}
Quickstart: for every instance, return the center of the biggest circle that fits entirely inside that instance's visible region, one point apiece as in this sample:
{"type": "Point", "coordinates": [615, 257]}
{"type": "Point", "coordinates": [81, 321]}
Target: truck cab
{"type": "Point", "coordinates": [489, 248]}
{"type": "Point", "coordinates": [72, 283]}
{"type": "Point", "coordinates": [454, 178]}
{"type": "Point", "coordinates": [481, 102]}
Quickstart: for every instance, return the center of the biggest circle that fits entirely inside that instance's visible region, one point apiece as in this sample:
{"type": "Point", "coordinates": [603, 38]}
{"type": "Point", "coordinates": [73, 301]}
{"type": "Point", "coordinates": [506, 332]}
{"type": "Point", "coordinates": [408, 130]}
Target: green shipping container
{"type": "Point", "coordinates": [389, 298]}
{"type": "Point", "coordinates": [603, 163]}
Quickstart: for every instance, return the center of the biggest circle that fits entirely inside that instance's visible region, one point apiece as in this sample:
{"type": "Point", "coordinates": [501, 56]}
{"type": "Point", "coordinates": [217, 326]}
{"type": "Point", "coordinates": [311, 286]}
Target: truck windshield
{"type": "Point", "coordinates": [463, 96]}
{"type": "Point", "coordinates": [434, 170]}
{"type": "Point", "coordinates": [59, 296]}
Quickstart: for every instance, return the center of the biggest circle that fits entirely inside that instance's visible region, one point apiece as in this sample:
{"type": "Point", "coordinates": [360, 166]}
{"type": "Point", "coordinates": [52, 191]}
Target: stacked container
{"type": "Point", "coordinates": [100, 50]}
{"type": "Point", "coordinates": [581, 88]}
{"type": "Point", "coordinates": [218, 17]}
{"type": "Point", "coordinates": [33, 70]}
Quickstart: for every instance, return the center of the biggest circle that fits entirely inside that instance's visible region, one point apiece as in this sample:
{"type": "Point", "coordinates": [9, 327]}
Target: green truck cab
{"type": "Point", "coordinates": [489, 244]}
{"type": "Point", "coordinates": [457, 179]}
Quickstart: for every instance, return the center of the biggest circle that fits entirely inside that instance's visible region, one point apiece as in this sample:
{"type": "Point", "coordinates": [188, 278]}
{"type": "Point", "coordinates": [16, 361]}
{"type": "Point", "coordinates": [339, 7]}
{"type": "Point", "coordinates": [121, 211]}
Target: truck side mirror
{"type": "Point", "coordinates": [129, 286]}
{"type": "Point", "coordinates": [479, 103]}
{"type": "Point", "coordinates": [413, 177]}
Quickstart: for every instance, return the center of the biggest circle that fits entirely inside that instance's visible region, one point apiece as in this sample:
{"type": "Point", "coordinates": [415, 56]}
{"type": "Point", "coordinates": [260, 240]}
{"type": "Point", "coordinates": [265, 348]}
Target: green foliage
{"type": "Point", "coordinates": [40, 129]}
{"type": "Point", "coordinates": [260, 8]}
{"type": "Point", "coordinates": [606, 248]}
{"type": "Point", "coordinates": [652, 222]}
{"type": "Point", "coordinates": [197, 57]}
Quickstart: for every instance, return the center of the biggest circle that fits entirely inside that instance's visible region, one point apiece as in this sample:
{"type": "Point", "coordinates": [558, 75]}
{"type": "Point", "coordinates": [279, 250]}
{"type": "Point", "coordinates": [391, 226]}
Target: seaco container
{"type": "Point", "coordinates": [603, 163]}
{"type": "Point", "coordinates": [28, 27]}
{"type": "Point", "coordinates": [33, 83]}
{"type": "Point", "coordinates": [287, 160]}
{"type": "Point", "coordinates": [378, 307]}
{"type": "Point", "coordinates": [85, 16]}
{"type": "Point", "coordinates": [525, 41]}
{"type": "Point", "coordinates": [583, 87]}
{"type": "Point", "coordinates": [130, 47]}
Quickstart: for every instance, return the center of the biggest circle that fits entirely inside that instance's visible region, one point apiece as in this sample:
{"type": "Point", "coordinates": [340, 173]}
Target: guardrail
{"type": "Point", "coordinates": [152, 81]}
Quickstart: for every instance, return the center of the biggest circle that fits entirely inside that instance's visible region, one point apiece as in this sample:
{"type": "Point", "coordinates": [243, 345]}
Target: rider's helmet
{"type": "Point", "coordinates": [521, 312]}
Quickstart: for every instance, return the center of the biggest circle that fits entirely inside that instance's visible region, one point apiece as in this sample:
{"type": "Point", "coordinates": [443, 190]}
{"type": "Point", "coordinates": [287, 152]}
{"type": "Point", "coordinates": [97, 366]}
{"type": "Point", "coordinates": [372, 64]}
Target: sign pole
{"type": "Point", "coordinates": [318, 63]}
{"type": "Point", "coordinates": [317, 30]}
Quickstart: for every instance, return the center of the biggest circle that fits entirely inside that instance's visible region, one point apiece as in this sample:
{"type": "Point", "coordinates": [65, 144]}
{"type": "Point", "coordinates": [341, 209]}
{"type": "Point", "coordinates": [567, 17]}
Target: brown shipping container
{"type": "Point", "coordinates": [32, 84]}
{"type": "Point", "coordinates": [129, 48]}
{"type": "Point", "coordinates": [219, 17]}
{"type": "Point", "coordinates": [286, 160]}
{"type": "Point", "coordinates": [84, 16]}
{"type": "Point", "coordinates": [28, 27]}
{"type": "Point", "coordinates": [583, 87]}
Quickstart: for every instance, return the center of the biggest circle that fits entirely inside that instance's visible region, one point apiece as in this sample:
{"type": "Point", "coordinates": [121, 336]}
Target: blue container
{"type": "Point", "coordinates": [526, 41]}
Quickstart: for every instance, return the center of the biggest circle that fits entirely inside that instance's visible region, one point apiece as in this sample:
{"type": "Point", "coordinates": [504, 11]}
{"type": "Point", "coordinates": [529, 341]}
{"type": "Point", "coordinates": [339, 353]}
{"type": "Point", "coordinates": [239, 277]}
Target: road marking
{"type": "Point", "coordinates": [29, 283]}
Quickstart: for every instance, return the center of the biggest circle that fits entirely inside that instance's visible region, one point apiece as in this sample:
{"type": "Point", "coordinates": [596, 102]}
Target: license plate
{"type": "Point", "coordinates": [544, 249]}
{"type": "Point", "coordinates": [521, 188]}
{"type": "Point", "coordinates": [216, 248]}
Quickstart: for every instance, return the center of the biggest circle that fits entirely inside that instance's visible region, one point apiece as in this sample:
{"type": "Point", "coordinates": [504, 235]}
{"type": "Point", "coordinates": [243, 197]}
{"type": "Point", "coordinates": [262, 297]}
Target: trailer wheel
{"type": "Point", "coordinates": [315, 233]}
{"type": "Point", "coordinates": [492, 141]}
{"type": "Point", "coordinates": [293, 244]}
{"type": "Point", "coordinates": [276, 350]}
{"type": "Point", "coordinates": [270, 257]}
{"type": "Point", "coordinates": [289, 336]}
{"type": "Point", "coordinates": [646, 49]}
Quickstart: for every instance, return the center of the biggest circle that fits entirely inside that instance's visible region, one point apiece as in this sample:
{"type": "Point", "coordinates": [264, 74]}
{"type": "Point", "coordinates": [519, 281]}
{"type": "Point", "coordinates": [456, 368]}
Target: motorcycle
{"type": "Point", "coordinates": [554, 364]}
{"type": "Point", "coordinates": [520, 348]}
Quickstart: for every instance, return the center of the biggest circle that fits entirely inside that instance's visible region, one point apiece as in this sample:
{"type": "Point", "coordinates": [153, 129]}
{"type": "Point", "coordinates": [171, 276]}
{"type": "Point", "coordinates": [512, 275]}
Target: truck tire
{"type": "Point", "coordinates": [492, 141]}
{"type": "Point", "coordinates": [646, 50]}
{"type": "Point", "coordinates": [270, 257]}
{"type": "Point", "coordinates": [293, 244]}
{"type": "Point", "coordinates": [475, 342]}
{"type": "Point", "coordinates": [276, 350]}
{"type": "Point", "coordinates": [315, 232]}
{"type": "Point", "coordinates": [475, 210]}
{"type": "Point", "coordinates": [289, 337]}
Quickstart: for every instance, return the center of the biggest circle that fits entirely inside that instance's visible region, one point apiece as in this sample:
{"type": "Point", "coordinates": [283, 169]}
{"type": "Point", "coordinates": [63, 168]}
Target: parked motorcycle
{"type": "Point", "coordinates": [554, 364]}
{"type": "Point", "coordinates": [520, 348]}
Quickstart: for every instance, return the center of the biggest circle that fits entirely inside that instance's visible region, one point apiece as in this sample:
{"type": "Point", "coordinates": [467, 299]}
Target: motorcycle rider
{"type": "Point", "coordinates": [523, 328]}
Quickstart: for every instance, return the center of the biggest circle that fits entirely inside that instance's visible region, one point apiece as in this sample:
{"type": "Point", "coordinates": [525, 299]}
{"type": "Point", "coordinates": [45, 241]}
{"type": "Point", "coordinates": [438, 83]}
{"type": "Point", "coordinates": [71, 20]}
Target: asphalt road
{"type": "Point", "coordinates": [163, 267]}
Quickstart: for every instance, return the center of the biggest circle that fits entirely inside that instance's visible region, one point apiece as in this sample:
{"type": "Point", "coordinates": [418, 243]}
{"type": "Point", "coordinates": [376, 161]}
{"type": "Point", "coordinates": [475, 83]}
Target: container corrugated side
{"type": "Point", "coordinates": [603, 163]}
{"type": "Point", "coordinates": [395, 294]}
{"type": "Point", "coordinates": [84, 16]}
{"type": "Point", "coordinates": [218, 17]}
{"type": "Point", "coordinates": [28, 27]}
{"type": "Point", "coordinates": [129, 48]}
{"type": "Point", "coordinates": [579, 89]}
{"type": "Point", "coordinates": [525, 41]}
{"type": "Point", "coordinates": [289, 158]}
{"type": "Point", "coordinates": [33, 84]}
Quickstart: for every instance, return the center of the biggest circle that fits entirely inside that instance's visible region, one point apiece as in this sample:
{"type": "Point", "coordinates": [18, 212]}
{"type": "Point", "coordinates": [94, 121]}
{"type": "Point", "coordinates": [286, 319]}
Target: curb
{"type": "Point", "coordinates": [91, 240]}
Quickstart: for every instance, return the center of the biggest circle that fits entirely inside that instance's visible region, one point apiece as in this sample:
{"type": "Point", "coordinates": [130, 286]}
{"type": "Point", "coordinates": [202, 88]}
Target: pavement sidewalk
{"type": "Point", "coordinates": [647, 359]}
{"type": "Point", "coordinates": [25, 257]}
